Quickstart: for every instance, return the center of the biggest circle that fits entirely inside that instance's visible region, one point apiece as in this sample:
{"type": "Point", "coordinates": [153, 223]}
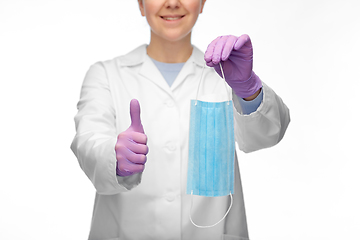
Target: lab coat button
{"type": "Point", "coordinates": [170, 198]}
{"type": "Point", "coordinates": [171, 147]}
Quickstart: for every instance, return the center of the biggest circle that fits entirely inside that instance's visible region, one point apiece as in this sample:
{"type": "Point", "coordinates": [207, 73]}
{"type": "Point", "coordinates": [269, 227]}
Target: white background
{"type": "Point", "coordinates": [307, 187]}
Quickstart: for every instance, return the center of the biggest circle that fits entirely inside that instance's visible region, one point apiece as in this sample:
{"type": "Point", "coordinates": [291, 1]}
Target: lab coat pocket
{"type": "Point", "coordinates": [230, 237]}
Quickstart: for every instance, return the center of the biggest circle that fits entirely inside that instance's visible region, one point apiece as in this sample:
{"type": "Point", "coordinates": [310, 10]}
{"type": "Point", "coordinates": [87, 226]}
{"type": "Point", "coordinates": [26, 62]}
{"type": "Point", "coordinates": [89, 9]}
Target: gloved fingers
{"type": "Point", "coordinates": [125, 146]}
{"type": "Point", "coordinates": [208, 57]}
{"type": "Point", "coordinates": [126, 168]}
{"type": "Point", "coordinates": [124, 154]}
{"type": "Point", "coordinates": [134, 168]}
{"type": "Point", "coordinates": [221, 49]}
{"type": "Point", "coordinates": [210, 64]}
{"type": "Point", "coordinates": [244, 46]}
{"type": "Point", "coordinates": [131, 150]}
{"type": "Point", "coordinates": [136, 158]}
{"type": "Point", "coordinates": [218, 49]}
{"type": "Point", "coordinates": [137, 148]}
{"type": "Point", "coordinates": [228, 47]}
{"type": "Point", "coordinates": [138, 137]}
{"type": "Point", "coordinates": [134, 136]}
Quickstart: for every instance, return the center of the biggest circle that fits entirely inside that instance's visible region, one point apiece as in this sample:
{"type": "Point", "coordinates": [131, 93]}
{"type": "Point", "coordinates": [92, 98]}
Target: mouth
{"type": "Point", "coordinates": [172, 18]}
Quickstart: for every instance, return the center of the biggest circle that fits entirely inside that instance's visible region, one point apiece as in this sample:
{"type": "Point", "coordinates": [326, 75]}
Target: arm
{"type": "Point", "coordinates": [263, 128]}
{"type": "Point", "coordinates": [96, 136]}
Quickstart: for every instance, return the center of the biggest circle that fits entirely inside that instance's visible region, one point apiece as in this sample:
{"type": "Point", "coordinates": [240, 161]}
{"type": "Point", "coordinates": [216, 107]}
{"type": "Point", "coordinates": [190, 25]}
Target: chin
{"type": "Point", "coordinates": [176, 37]}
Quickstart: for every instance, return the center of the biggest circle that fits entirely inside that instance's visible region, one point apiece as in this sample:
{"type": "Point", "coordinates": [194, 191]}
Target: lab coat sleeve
{"type": "Point", "coordinates": [263, 128]}
{"type": "Point", "coordinates": [95, 139]}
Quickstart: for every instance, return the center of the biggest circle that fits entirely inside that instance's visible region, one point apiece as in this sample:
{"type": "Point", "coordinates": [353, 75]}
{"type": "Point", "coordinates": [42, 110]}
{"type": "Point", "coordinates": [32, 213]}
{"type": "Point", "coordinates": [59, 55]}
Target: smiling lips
{"type": "Point", "coordinates": [172, 18]}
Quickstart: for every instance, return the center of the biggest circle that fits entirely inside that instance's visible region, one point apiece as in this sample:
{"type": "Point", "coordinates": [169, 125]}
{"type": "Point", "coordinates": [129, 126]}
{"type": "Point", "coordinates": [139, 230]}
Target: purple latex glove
{"type": "Point", "coordinates": [131, 148]}
{"type": "Point", "coordinates": [236, 54]}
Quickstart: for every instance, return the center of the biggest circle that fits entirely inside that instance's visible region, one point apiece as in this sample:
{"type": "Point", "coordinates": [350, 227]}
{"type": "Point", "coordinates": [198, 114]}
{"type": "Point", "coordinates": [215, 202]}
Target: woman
{"type": "Point", "coordinates": [139, 164]}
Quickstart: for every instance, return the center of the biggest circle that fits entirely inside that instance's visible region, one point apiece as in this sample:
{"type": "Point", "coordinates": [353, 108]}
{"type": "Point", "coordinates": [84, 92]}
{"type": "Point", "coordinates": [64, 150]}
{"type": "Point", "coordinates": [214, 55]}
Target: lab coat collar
{"type": "Point", "coordinates": [138, 56]}
{"type": "Point", "coordinates": [150, 72]}
{"type": "Point", "coordinates": [133, 58]}
{"type": "Point", "coordinates": [198, 57]}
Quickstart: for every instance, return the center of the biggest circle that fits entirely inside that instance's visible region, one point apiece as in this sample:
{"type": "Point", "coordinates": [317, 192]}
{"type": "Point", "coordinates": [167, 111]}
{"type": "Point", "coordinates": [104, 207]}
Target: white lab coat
{"type": "Point", "coordinates": [154, 204]}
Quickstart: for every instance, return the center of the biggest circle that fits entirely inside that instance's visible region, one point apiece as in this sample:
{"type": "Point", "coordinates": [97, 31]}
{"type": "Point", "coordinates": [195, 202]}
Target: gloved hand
{"type": "Point", "coordinates": [236, 54]}
{"type": "Point", "coordinates": [131, 148]}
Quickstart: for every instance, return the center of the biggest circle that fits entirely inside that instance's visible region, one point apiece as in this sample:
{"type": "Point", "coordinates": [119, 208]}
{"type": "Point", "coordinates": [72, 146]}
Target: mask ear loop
{"type": "Point", "coordinates": [223, 76]}
{"type": "Point", "coordinates": [197, 92]}
{"type": "Point", "coordinates": [222, 72]}
{"type": "Point", "coordinates": [231, 203]}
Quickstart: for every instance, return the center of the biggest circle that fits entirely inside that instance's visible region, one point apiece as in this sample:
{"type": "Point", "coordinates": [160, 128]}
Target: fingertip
{"type": "Point", "coordinates": [135, 115]}
{"type": "Point", "coordinates": [216, 61]}
{"type": "Point", "coordinates": [209, 53]}
{"type": "Point", "coordinates": [134, 105]}
{"type": "Point", "coordinates": [242, 40]}
{"type": "Point", "coordinates": [218, 49]}
{"type": "Point", "coordinates": [207, 56]}
{"type": "Point", "coordinates": [147, 149]}
{"type": "Point", "coordinates": [210, 64]}
{"type": "Point", "coordinates": [228, 47]}
{"type": "Point", "coordinates": [144, 160]}
{"type": "Point", "coordinates": [145, 139]}
{"type": "Point", "coordinates": [139, 168]}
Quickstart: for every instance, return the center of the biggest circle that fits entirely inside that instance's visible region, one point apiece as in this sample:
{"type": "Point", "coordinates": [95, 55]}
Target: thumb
{"type": "Point", "coordinates": [135, 116]}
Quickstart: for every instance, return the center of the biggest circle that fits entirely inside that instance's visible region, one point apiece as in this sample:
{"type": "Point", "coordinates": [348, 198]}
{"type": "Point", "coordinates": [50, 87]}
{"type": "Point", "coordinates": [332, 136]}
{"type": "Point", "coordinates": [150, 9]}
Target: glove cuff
{"type": "Point", "coordinates": [246, 88]}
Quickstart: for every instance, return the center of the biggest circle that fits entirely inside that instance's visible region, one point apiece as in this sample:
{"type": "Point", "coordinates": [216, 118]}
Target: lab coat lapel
{"type": "Point", "coordinates": [152, 73]}
{"type": "Point", "coordinates": [187, 69]}
{"type": "Point", "coordinates": [196, 59]}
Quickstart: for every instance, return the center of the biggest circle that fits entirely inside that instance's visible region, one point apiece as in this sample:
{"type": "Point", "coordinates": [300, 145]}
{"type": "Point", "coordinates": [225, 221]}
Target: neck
{"type": "Point", "coordinates": [170, 51]}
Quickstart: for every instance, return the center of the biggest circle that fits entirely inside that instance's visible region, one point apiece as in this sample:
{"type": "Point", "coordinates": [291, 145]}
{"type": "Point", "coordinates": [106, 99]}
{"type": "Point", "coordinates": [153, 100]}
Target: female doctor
{"type": "Point", "coordinates": [138, 162]}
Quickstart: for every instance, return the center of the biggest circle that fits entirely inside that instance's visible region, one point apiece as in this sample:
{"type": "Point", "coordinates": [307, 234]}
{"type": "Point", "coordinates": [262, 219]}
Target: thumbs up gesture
{"type": "Point", "coordinates": [131, 148]}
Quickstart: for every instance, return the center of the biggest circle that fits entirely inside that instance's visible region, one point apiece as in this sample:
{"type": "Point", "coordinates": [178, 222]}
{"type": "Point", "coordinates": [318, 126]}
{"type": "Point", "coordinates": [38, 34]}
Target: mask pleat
{"type": "Point", "coordinates": [203, 148]}
{"type": "Point", "coordinates": [221, 156]}
{"type": "Point", "coordinates": [230, 147]}
{"type": "Point", "coordinates": [217, 152]}
{"type": "Point", "coordinates": [194, 150]}
{"type": "Point", "coordinates": [210, 131]}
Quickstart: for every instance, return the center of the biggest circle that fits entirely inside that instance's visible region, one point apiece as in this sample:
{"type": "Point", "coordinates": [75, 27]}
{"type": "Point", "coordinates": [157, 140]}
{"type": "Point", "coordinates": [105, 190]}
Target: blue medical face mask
{"type": "Point", "coordinates": [211, 150]}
